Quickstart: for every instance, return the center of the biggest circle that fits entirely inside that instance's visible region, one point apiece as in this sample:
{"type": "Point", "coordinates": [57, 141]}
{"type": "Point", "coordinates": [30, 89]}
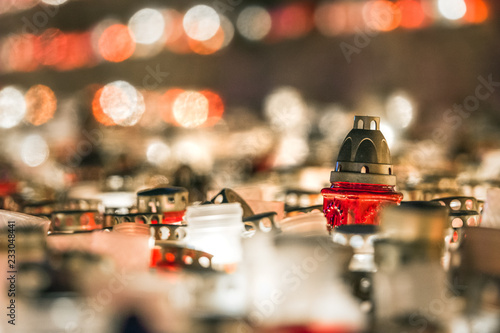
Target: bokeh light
{"type": "Point", "coordinates": [12, 107]}
{"type": "Point", "coordinates": [201, 22]}
{"type": "Point", "coordinates": [41, 104]}
{"type": "Point", "coordinates": [292, 150]}
{"type": "Point", "coordinates": [51, 47]}
{"type": "Point", "coordinates": [452, 9]}
{"type": "Point", "coordinates": [97, 111]}
{"type": "Point", "coordinates": [208, 46]}
{"type": "Point", "coordinates": [285, 109]}
{"type": "Point", "coordinates": [158, 153]}
{"type": "Point", "coordinates": [215, 107]}
{"type": "Point", "coordinates": [18, 53]}
{"type": "Point", "coordinates": [291, 21]}
{"type": "Point", "coordinates": [176, 38]}
{"type": "Point", "coordinates": [388, 133]}
{"type": "Point", "coordinates": [400, 109]}
{"type": "Point", "coordinates": [412, 14]}
{"type": "Point", "coordinates": [116, 43]}
{"type": "Point", "coordinates": [228, 30]}
{"type": "Point", "coordinates": [254, 23]}
{"type": "Point", "coordinates": [477, 11]}
{"type": "Point", "coordinates": [331, 18]}
{"type": "Point", "coordinates": [54, 2]}
{"type": "Point", "coordinates": [147, 26]}
{"type": "Point", "coordinates": [122, 103]}
{"type": "Point", "coordinates": [167, 105]}
{"type": "Point", "coordinates": [190, 109]}
{"type": "Point", "coordinates": [381, 15]}
{"type": "Point", "coordinates": [34, 150]}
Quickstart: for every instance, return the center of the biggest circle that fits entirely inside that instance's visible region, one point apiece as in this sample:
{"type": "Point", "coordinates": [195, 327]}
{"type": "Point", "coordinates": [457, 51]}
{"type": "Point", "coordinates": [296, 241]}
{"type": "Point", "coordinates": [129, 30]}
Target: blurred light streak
{"type": "Point", "coordinates": [41, 104]}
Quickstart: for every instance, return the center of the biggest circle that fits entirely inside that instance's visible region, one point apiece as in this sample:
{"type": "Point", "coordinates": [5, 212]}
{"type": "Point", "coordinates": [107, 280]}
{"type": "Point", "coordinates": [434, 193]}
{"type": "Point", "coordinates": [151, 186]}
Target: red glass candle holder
{"type": "Point", "coordinates": [363, 181]}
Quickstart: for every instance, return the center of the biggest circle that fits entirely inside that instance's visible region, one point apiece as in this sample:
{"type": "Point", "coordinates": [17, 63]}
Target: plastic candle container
{"type": "Point", "coordinates": [216, 229]}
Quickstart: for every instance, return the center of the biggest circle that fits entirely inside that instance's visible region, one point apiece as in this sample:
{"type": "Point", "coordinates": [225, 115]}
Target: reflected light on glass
{"type": "Point", "coordinates": [158, 153]}
{"type": "Point", "coordinates": [116, 43]}
{"type": "Point", "coordinates": [122, 103]}
{"type": "Point", "coordinates": [12, 107]}
{"type": "Point", "coordinates": [201, 22]}
{"type": "Point", "coordinates": [190, 109]}
{"type": "Point", "coordinates": [34, 150]}
{"type": "Point", "coordinates": [381, 15]}
{"type": "Point", "coordinates": [285, 108]}
{"type": "Point", "coordinates": [254, 23]}
{"type": "Point", "coordinates": [41, 104]}
{"type": "Point", "coordinates": [147, 26]}
{"type": "Point", "coordinates": [400, 109]}
{"type": "Point", "coordinates": [452, 9]}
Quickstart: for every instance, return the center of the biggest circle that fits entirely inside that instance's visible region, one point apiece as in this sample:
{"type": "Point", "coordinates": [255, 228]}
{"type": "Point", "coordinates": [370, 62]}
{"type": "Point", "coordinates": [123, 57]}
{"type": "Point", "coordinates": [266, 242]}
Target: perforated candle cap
{"type": "Point", "coordinates": [364, 156]}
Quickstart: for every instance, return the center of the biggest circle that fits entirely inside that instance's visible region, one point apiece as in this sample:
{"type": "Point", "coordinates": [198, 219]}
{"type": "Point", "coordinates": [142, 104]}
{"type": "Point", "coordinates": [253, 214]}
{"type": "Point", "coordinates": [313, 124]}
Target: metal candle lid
{"type": "Point", "coordinates": [414, 221]}
{"type": "Point", "coordinates": [364, 156]}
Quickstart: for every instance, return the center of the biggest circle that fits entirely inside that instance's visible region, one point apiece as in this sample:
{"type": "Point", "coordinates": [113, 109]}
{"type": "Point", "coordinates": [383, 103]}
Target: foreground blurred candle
{"type": "Point", "coordinates": [216, 229]}
{"type": "Point", "coordinates": [363, 180]}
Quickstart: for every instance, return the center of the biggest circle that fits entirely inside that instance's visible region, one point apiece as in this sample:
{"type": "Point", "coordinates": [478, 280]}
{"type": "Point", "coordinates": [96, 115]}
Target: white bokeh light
{"type": "Point", "coordinates": [293, 150]}
{"type": "Point", "coordinates": [254, 23]}
{"type": "Point", "coordinates": [201, 22]}
{"type": "Point", "coordinates": [285, 109]}
{"type": "Point", "coordinates": [54, 2]}
{"type": "Point", "coordinates": [12, 107]}
{"type": "Point", "coordinates": [193, 153]}
{"type": "Point", "coordinates": [34, 150]}
{"type": "Point", "coordinates": [158, 153]}
{"type": "Point", "coordinates": [400, 109]}
{"type": "Point", "coordinates": [452, 9]}
{"type": "Point", "coordinates": [122, 103]}
{"type": "Point", "coordinates": [190, 109]}
{"type": "Point", "coordinates": [147, 26]}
